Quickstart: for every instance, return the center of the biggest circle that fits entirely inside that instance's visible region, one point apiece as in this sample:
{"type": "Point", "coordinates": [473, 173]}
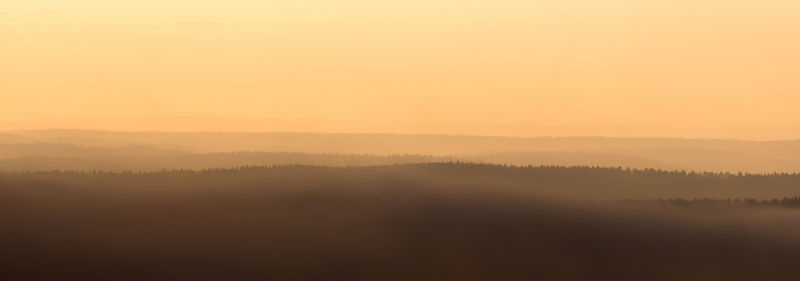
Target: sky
{"type": "Point", "coordinates": [680, 68]}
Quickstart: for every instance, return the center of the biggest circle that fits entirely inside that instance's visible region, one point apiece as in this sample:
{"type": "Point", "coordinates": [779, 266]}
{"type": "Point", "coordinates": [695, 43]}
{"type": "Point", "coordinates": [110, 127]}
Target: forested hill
{"type": "Point", "coordinates": [434, 221]}
{"type": "Point", "coordinates": [574, 182]}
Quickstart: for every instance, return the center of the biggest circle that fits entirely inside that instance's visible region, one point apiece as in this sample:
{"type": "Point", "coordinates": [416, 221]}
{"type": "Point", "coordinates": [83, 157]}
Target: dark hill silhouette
{"type": "Point", "coordinates": [551, 181]}
{"type": "Point", "coordinates": [407, 222]}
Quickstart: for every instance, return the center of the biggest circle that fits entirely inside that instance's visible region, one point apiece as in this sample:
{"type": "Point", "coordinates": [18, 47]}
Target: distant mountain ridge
{"type": "Point", "coordinates": [63, 149]}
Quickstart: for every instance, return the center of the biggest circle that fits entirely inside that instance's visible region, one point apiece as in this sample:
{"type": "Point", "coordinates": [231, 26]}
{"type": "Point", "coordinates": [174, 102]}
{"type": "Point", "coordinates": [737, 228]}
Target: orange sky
{"type": "Point", "coordinates": [647, 65]}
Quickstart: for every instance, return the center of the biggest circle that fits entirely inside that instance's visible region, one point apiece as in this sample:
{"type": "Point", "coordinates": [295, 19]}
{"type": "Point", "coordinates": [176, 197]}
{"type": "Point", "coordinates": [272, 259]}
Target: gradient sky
{"type": "Point", "coordinates": [669, 63]}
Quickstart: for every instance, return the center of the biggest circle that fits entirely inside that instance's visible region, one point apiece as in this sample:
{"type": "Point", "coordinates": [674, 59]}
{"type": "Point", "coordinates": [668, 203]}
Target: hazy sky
{"type": "Point", "coordinates": [670, 63]}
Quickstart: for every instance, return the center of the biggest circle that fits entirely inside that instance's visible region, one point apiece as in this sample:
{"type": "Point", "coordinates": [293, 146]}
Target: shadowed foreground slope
{"type": "Point", "coordinates": [411, 222]}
